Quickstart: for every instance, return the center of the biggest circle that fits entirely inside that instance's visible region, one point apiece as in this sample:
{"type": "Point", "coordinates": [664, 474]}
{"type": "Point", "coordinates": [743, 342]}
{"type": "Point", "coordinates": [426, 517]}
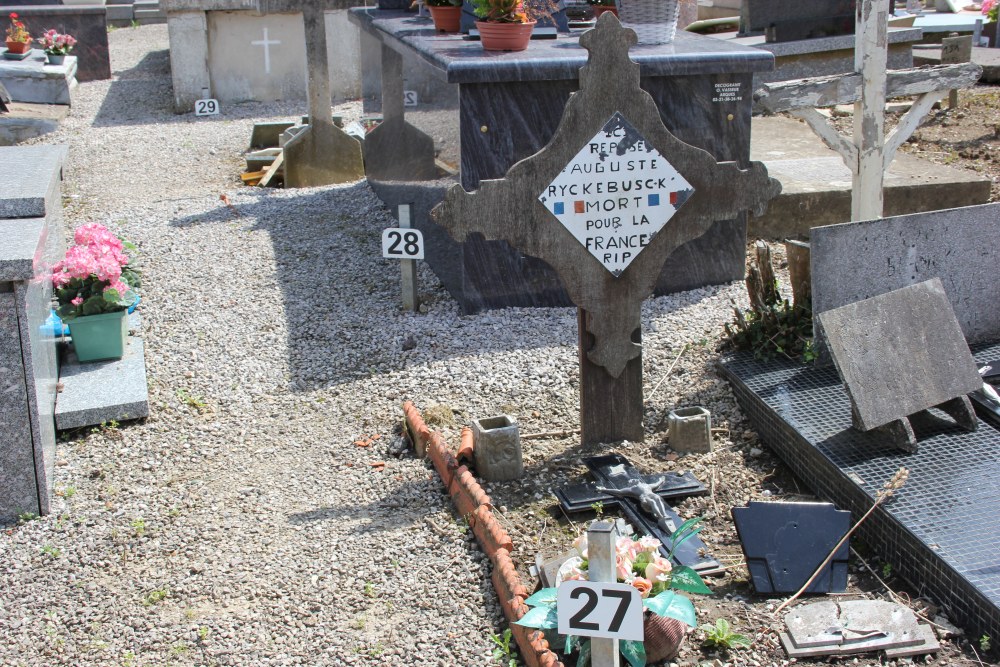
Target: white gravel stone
{"type": "Point", "coordinates": [240, 524]}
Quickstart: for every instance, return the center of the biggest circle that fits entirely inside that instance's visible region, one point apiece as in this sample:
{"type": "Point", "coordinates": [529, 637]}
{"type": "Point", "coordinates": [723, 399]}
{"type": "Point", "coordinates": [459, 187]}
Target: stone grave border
{"type": "Point", "coordinates": [472, 503]}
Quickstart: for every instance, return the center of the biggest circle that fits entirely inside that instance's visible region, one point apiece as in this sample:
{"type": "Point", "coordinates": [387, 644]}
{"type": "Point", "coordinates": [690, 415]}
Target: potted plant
{"type": "Point", "coordinates": [601, 6]}
{"type": "Point", "coordinates": [18, 37]}
{"type": "Point", "coordinates": [56, 46]}
{"type": "Point", "coordinates": [505, 24]}
{"type": "Point", "coordinates": [639, 563]}
{"type": "Point", "coordinates": [446, 14]}
{"type": "Point", "coordinates": [991, 10]}
{"type": "Point", "coordinates": [94, 287]}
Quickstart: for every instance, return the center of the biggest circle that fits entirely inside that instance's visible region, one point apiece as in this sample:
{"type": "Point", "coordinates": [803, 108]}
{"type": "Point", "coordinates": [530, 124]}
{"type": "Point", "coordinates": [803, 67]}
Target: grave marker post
{"type": "Point", "coordinates": [408, 267]}
{"type": "Point", "coordinates": [955, 49]}
{"type": "Point", "coordinates": [605, 203]}
{"type": "Point", "coordinates": [870, 61]}
{"type": "Point", "coordinates": [601, 549]}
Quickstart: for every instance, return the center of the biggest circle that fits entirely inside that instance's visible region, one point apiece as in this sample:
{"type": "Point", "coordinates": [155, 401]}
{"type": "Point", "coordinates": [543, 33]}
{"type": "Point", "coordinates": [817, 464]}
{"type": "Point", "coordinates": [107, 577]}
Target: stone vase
{"type": "Point", "coordinates": [497, 448]}
{"type": "Point", "coordinates": [100, 337]}
{"type": "Point", "coordinates": [505, 36]}
{"type": "Point", "coordinates": [690, 430]}
{"type": "Point", "coordinates": [446, 19]}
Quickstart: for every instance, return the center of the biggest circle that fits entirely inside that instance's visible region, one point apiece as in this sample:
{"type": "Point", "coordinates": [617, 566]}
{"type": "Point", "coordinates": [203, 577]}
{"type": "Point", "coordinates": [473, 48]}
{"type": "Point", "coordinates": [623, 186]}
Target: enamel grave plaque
{"type": "Point", "coordinates": [616, 194]}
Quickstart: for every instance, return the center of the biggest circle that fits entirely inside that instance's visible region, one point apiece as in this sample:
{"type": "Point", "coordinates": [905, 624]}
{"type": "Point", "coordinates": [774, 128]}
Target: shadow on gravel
{"type": "Point", "coordinates": [341, 299]}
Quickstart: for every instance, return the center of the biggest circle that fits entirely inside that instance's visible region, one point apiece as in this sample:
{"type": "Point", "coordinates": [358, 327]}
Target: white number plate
{"type": "Point", "coordinates": [206, 107]}
{"type": "Point", "coordinates": [590, 609]}
{"type": "Point", "coordinates": [402, 243]}
{"type": "Point", "coordinates": [409, 98]}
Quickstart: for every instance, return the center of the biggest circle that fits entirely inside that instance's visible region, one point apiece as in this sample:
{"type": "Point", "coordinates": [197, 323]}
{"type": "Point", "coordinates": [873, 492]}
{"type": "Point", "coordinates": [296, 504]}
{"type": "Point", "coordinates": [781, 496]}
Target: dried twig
{"type": "Point", "coordinates": [550, 434]}
{"type": "Point", "coordinates": [893, 485]}
{"type": "Point", "coordinates": [667, 374]}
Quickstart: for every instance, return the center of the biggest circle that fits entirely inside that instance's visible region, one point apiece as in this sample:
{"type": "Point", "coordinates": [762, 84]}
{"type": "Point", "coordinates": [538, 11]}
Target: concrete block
{"type": "Point", "coordinates": [103, 391]}
{"type": "Point", "coordinates": [816, 184]}
{"type": "Point", "coordinates": [859, 260]}
{"type": "Point", "coordinates": [31, 181]}
{"type": "Point", "coordinates": [33, 80]}
{"type": "Point", "coordinates": [265, 135]}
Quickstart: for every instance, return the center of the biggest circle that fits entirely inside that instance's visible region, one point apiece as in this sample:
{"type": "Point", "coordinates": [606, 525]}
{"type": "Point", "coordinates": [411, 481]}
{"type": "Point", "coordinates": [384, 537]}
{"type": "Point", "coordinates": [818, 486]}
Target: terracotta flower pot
{"type": "Point", "coordinates": [446, 19]}
{"type": "Point", "coordinates": [599, 9]}
{"type": "Point", "coordinates": [663, 637]}
{"type": "Point", "coordinates": [505, 36]}
{"type": "Point", "coordinates": [18, 47]}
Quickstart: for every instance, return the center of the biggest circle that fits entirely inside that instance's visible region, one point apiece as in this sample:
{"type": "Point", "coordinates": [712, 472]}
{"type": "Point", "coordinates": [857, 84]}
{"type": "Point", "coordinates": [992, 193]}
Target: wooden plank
{"type": "Point", "coordinates": [829, 135]}
{"type": "Point", "coordinates": [610, 407]}
{"type": "Point", "coordinates": [248, 176]}
{"type": "Point", "coordinates": [870, 57]}
{"type": "Point", "coordinates": [828, 91]}
{"type": "Point", "coordinates": [271, 170]}
{"type": "Point", "coordinates": [907, 124]}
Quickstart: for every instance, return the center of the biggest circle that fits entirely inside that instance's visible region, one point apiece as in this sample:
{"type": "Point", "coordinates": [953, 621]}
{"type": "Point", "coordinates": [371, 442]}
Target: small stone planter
{"type": "Point", "coordinates": [497, 448]}
{"type": "Point", "coordinates": [690, 430]}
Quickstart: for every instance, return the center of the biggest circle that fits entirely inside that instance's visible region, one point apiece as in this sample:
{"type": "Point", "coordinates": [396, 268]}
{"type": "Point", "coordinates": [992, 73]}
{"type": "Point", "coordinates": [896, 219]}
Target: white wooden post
{"type": "Point", "coordinates": [601, 551]}
{"type": "Point", "coordinates": [870, 61]}
{"type": "Point", "coordinates": [408, 267]}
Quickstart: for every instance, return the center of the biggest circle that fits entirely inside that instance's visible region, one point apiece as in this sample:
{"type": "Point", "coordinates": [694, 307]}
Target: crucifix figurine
{"type": "Point", "coordinates": [605, 203]}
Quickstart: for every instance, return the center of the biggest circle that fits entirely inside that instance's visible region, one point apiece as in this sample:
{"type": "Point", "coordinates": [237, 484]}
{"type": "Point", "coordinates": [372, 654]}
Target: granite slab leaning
{"type": "Point", "coordinates": [103, 391]}
{"type": "Point", "coordinates": [859, 260]}
{"type": "Point", "coordinates": [899, 353]}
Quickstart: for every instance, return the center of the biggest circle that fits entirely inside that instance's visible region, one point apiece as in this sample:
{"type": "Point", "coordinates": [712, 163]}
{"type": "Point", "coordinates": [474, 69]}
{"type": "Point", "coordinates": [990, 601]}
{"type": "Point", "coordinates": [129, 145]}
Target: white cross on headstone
{"type": "Point", "coordinates": [266, 43]}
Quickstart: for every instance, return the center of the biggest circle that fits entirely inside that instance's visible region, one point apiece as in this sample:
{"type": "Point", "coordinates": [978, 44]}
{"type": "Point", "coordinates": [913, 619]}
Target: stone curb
{"type": "Point", "coordinates": [474, 504]}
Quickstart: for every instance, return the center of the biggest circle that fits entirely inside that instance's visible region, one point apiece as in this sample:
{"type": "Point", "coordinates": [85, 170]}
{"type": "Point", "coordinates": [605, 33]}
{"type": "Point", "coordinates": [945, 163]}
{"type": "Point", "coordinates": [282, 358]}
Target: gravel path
{"type": "Point", "coordinates": [240, 524]}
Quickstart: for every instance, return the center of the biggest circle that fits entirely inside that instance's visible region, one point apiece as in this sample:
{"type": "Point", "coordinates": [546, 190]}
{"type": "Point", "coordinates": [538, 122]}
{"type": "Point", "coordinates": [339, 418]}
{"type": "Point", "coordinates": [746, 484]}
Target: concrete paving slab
{"type": "Point", "coordinates": [102, 391]}
{"type": "Point", "coordinates": [816, 184]}
{"type": "Point", "coordinates": [27, 121]}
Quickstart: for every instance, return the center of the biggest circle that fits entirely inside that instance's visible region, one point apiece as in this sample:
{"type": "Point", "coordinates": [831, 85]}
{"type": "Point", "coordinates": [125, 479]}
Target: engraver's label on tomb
{"type": "Point", "coordinates": [616, 194]}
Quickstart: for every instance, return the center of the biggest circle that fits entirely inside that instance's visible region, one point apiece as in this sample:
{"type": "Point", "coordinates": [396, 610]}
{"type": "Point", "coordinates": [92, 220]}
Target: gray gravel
{"type": "Point", "coordinates": [240, 524]}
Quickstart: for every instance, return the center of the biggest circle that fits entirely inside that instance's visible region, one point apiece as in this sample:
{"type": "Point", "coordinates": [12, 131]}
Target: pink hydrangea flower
{"type": "Point", "coordinates": [76, 301]}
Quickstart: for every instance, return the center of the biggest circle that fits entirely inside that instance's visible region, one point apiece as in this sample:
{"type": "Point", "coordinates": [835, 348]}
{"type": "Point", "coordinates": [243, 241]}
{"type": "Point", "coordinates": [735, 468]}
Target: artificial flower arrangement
{"type": "Point", "coordinates": [991, 9]}
{"type": "Point", "coordinates": [56, 43]}
{"type": "Point", "coordinates": [638, 562]}
{"type": "Point", "coordinates": [94, 277]}
{"type": "Point", "coordinates": [16, 32]}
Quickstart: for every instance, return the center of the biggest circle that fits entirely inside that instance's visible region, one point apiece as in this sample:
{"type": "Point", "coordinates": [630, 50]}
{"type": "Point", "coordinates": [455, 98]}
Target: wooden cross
{"type": "Point", "coordinates": [610, 112]}
{"type": "Point", "coordinates": [323, 154]}
{"type": "Point", "coordinates": [870, 152]}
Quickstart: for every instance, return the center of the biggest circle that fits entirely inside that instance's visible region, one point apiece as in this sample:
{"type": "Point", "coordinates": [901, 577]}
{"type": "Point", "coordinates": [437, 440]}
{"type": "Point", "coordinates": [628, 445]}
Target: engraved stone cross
{"type": "Point", "coordinates": [605, 203]}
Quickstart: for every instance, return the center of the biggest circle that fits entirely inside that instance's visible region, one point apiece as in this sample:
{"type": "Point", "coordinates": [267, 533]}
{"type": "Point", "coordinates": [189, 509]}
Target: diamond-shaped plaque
{"type": "Point", "coordinates": [616, 194]}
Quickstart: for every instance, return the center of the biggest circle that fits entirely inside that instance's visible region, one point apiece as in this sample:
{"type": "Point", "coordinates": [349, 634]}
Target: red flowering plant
{"type": "Point", "coordinates": [991, 8]}
{"type": "Point", "coordinates": [16, 32]}
{"type": "Point", "coordinates": [94, 277]}
{"type": "Point", "coordinates": [56, 44]}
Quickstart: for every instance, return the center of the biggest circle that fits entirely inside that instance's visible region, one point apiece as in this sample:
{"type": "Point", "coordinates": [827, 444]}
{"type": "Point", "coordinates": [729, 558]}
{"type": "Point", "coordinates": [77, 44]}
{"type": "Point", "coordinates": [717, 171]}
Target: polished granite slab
{"type": "Point", "coordinates": [31, 222]}
{"type": "Point", "coordinates": [940, 530]}
{"type": "Point", "coordinates": [509, 105]}
{"type": "Point", "coordinates": [460, 60]}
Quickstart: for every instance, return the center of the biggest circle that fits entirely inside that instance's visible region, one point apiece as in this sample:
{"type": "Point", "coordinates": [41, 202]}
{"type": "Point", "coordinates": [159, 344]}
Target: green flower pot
{"type": "Point", "coordinates": [100, 337]}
